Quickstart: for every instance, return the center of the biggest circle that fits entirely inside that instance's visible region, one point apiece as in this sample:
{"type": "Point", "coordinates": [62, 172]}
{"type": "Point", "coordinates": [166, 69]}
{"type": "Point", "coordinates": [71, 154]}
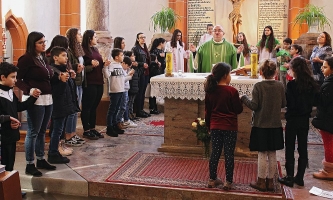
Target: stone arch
{"type": "Point", "coordinates": [19, 33]}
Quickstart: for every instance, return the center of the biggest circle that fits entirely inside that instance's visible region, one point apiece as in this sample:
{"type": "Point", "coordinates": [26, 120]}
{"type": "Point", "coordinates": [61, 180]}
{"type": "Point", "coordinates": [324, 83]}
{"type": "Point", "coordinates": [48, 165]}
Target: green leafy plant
{"type": "Point", "coordinates": [202, 133]}
{"type": "Point", "coordinates": [164, 19]}
{"type": "Point", "coordinates": [311, 15]}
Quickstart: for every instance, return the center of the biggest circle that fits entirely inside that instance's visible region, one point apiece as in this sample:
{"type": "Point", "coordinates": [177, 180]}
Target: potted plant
{"type": "Point", "coordinates": [164, 19]}
{"type": "Point", "coordinates": [314, 17]}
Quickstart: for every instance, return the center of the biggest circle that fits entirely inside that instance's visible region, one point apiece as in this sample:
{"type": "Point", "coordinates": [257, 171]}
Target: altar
{"type": "Point", "coordinates": [184, 97]}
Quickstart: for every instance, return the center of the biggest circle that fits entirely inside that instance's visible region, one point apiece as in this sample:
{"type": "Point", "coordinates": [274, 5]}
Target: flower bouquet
{"type": "Point", "coordinates": [202, 133]}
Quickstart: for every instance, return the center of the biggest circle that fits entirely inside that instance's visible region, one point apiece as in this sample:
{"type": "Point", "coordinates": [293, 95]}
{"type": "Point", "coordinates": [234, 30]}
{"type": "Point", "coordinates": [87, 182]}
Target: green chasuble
{"type": "Point", "coordinates": [213, 52]}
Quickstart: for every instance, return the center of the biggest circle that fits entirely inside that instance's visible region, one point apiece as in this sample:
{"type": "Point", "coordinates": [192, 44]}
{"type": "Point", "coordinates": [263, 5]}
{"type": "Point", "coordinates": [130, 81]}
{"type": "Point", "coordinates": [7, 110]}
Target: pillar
{"type": "Point", "coordinates": [69, 15]}
{"type": "Point", "coordinates": [294, 7]}
{"type": "Point", "coordinates": [180, 7]}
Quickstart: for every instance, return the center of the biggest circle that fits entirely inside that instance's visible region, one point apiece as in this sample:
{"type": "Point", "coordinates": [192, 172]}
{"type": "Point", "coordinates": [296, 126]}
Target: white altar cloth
{"type": "Point", "coordinates": [191, 85]}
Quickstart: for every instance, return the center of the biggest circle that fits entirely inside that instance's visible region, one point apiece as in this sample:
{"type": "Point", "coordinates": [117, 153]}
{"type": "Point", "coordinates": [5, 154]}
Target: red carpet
{"type": "Point", "coordinates": [184, 172]}
{"type": "Point", "coordinates": [157, 123]}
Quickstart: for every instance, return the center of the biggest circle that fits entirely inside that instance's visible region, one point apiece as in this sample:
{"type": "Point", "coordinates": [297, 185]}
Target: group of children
{"type": "Point", "coordinates": [223, 104]}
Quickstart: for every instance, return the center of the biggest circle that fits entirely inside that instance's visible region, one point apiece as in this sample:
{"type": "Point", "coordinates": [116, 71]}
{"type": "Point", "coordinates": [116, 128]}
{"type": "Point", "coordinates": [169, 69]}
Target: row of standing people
{"type": "Point", "coordinates": [223, 104]}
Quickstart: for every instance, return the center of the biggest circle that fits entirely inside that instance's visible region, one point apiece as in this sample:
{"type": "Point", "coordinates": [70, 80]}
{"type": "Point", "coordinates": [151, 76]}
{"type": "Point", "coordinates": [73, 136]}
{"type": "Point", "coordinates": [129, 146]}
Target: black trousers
{"type": "Point", "coordinates": [8, 152]}
{"type": "Point", "coordinates": [302, 140]}
{"type": "Point", "coordinates": [140, 98]}
{"type": "Point", "coordinates": [91, 96]}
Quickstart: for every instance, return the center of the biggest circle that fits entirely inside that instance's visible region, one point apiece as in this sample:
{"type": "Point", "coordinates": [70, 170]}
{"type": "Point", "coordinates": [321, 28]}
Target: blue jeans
{"type": "Point", "coordinates": [79, 92]}
{"type": "Point", "coordinates": [71, 123]}
{"type": "Point", "coordinates": [38, 118]}
{"type": "Point", "coordinates": [115, 100]}
{"type": "Point", "coordinates": [123, 110]}
{"type": "Point", "coordinates": [58, 127]}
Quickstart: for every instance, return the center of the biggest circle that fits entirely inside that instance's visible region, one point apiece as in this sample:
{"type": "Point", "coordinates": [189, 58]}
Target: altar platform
{"type": "Point", "coordinates": [84, 177]}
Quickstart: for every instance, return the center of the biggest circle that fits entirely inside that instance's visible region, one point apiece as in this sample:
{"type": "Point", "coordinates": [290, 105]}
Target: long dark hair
{"type": "Point", "coordinates": [58, 40]}
{"type": "Point", "coordinates": [87, 37]}
{"type": "Point", "coordinates": [271, 39]}
{"type": "Point", "coordinates": [303, 75]}
{"type": "Point", "coordinates": [156, 42]}
{"type": "Point", "coordinates": [73, 44]}
{"type": "Point", "coordinates": [246, 49]}
{"type": "Point", "coordinates": [144, 45]}
{"type": "Point", "coordinates": [298, 48]}
{"type": "Point", "coordinates": [117, 42]}
{"type": "Point", "coordinates": [219, 71]}
{"type": "Point", "coordinates": [328, 39]}
{"type": "Point", "coordinates": [33, 37]}
{"type": "Point", "coordinates": [174, 39]}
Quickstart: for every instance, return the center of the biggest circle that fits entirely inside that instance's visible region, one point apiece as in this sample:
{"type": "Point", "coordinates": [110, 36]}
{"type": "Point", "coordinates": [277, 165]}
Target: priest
{"type": "Point", "coordinates": [214, 51]}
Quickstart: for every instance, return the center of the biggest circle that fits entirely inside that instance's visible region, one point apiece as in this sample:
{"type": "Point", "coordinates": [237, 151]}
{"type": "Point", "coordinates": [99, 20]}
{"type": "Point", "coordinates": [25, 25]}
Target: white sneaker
{"type": "Point", "coordinates": [63, 150]}
{"type": "Point", "coordinates": [130, 124]}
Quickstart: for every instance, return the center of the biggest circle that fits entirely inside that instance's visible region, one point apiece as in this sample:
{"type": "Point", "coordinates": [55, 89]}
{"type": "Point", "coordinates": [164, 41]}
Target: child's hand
{"type": "Point", "coordinates": [162, 55]}
{"type": "Point", "coordinates": [80, 68]}
{"type": "Point", "coordinates": [107, 62]}
{"type": "Point", "coordinates": [72, 73]}
{"type": "Point", "coordinates": [193, 48]}
{"type": "Point", "coordinates": [131, 72]}
{"type": "Point", "coordinates": [15, 123]}
{"type": "Point", "coordinates": [145, 65]}
{"type": "Point", "coordinates": [36, 92]}
{"type": "Point", "coordinates": [134, 64]}
{"type": "Point", "coordinates": [159, 64]}
{"type": "Point", "coordinates": [64, 76]}
{"type": "Point", "coordinates": [94, 63]}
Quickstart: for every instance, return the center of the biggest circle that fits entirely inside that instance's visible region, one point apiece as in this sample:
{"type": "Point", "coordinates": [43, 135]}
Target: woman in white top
{"type": "Point", "coordinates": [176, 46]}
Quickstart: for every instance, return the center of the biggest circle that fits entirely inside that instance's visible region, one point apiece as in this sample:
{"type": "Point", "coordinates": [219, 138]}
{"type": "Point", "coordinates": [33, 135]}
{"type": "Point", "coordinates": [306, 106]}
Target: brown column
{"type": "Point", "coordinates": [294, 7]}
{"type": "Point", "coordinates": [69, 15]}
{"type": "Point", "coordinates": [98, 20]}
{"type": "Point", "coordinates": [180, 7]}
{"type": "Point", "coordinates": [1, 27]}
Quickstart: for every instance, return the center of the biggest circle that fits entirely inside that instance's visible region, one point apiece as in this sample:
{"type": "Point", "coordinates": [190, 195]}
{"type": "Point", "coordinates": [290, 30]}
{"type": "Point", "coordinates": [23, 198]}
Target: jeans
{"type": "Point", "coordinates": [92, 95]}
{"type": "Point", "coordinates": [123, 109]}
{"type": "Point", "coordinates": [131, 99]}
{"type": "Point", "coordinates": [58, 127]}
{"type": "Point", "coordinates": [71, 123]}
{"type": "Point", "coordinates": [79, 92]}
{"type": "Point", "coordinates": [38, 118]}
{"type": "Point", "coordinates": [115, 100]}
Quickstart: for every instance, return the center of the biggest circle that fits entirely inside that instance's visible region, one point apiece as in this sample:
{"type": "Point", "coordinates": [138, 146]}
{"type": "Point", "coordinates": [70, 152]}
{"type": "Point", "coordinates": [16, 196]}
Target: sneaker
{"type": "Point", "coordinates": [130, 124]}
{"type": "Point", "coordinates": [63, 150]}
{"type": "Point", "coordinates": [98, 134]}
{"type": "Point", "coordinates": [57, 159]}
{"type": "Point", "coordinates": [121, 126]}
{"type": "Point", "coordinates": [214, 183]}
{"type": "Point", "coordinates": [31, 170]}
{"type": "Point", "coordinates": [42, 164]}
{"type": "Point", "coordinates": [72, 142]}
{"type": "Point", "coordinates": [77, 138]}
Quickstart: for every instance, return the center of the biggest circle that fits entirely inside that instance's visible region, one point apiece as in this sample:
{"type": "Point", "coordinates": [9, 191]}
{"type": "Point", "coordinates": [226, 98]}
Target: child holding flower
{"type": "Point", "coordinates": [222, 105]}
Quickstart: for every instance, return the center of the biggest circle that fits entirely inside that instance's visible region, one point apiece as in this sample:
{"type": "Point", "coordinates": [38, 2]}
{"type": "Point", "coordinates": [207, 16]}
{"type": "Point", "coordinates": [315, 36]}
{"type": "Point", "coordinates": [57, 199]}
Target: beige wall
{"type": "Point", "coordinates": [328, 6]}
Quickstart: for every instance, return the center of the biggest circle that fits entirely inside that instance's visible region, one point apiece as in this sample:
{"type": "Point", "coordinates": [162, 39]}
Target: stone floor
{"type": "Point", "coordinates": [95, 160]}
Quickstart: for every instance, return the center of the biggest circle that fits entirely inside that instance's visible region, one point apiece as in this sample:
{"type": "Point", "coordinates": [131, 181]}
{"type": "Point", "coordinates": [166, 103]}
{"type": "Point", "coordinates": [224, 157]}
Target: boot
{"type": "Point", "coordinates": [269, 184]}
{"type": "Point", "coordinates": [110, 132]}
{"type": "Point", "coordinates": [31, 169]}
{"type": "Point", "coordinates": [288, 180]}
{"type": "Point", "coordinates": [302, 164]}
{"type": "Point", "coordinates": [326, 173]}
{"type": "Point", "coordinates": [43, 164]}
{"type": "Point", "coordinates": [260, 184]}
{"type": "Point", "coordinates": [118, 130]}
{"type": "Point", "coordinates": [214, 183]}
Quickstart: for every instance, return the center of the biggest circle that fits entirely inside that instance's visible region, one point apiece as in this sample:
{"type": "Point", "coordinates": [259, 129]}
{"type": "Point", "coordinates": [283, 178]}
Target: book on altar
{"type": "Point", "coordinates": [2, 168]}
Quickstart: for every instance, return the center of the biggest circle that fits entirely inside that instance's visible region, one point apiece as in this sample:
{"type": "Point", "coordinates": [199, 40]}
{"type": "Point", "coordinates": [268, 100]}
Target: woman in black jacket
{"type": "Point", "coordinates": [323, 120]}
{"type": "Point", "coordinates": [143, 58]}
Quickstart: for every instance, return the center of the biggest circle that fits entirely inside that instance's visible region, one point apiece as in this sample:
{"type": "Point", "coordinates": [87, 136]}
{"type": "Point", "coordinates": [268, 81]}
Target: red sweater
{"type": "Point", "coordinates": [95, 77]}
{"type": "Point", "coordinates": [222, 107]}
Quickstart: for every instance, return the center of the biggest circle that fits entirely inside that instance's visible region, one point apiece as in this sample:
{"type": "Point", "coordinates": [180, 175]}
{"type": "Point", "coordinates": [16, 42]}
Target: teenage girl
{"type": "Point", "coordinates": [222, 105]}
{"type": "Point", "coordinates": [323, 120]}
{"type": "Point", "coordinates": [268, 97]}
{"type": "Point", "coordinates": [300, 99]}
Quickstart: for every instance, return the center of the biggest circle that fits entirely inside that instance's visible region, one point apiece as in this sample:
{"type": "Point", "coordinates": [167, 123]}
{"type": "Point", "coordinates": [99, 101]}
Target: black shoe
{"type": "Point", "coordinates": [42, 164]}
{"type": "Point", "coordinates": [23, 194]}
{"type": "Point", "coordinates": [90, 135]}
{"type": "Point", "coordinates": [149, 115]}
{"type": "Point", "coordinates": [118, 130]}
{"type": "Point", "coordinates": [57, 159]}
{"type": "Point", "coordinates": [141, 114]}
{"type": "Point", "coordinates": [298, 181]}
{"type": "Point", "coordinates": [98, 134]}
{"type": "Point", "coordinates": [31, 170]}
{"type": "Point", "coordinates": [110, 132]}
{"type": "Point", "coordinates": [287, 180]}
{"type": "Point", "coordinates": [153, 111]}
